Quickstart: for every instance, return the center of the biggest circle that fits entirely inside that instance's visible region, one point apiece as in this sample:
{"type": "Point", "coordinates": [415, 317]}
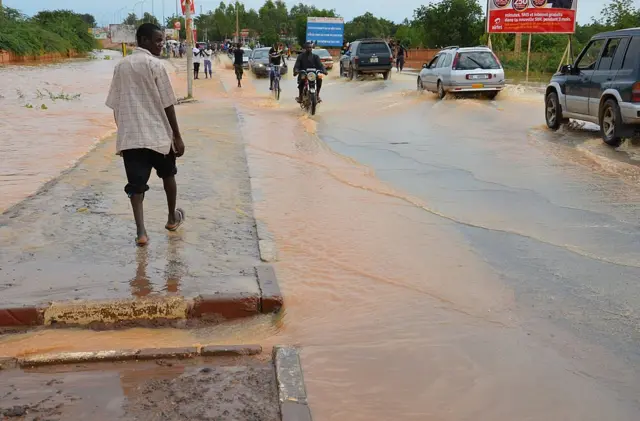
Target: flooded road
{"type": "Point", "coordinates": [440, 260]}
{"type": "Point", "coordinates": [52, 115]}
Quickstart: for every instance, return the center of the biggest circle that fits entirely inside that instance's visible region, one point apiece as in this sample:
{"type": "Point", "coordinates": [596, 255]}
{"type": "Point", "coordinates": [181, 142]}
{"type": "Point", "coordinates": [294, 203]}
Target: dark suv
{"type": "Point", "coordinates": [603, 87]}
{"type": "Point", "coordinates": [366, 56]}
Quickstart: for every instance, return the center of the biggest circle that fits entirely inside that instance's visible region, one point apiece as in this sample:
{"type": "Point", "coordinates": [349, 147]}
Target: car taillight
{"type": "Point", "coordinates": [455, 61]}
{"type": "Point", "coordinates": [635, 93]}
{"type": "Point", "coordinates": [356, 59]}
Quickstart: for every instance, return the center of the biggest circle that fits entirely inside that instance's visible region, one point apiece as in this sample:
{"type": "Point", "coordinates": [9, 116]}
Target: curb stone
{"type": "Point", "coordinates": [163, 311]}
{"type": "Point", "coordinates": [130, 355]}
{"type": "Point", "coordinates": [271, 297]}
{"type": "Point", "coordinates": [266, 242]}
{"type": "Point", "coordinates": [292, 394]}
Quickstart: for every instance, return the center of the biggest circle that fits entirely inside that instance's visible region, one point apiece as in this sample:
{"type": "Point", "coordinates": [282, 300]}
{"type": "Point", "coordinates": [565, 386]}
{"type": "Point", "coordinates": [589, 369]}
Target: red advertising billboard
{"type": "Point", "coordinates": [183, 4]}
{"type": "Point", "coordinates": [531, 16]}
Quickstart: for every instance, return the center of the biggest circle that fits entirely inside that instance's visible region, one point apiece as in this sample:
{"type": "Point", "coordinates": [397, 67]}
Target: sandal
{"type": "Point", "coordinates": [180, 219]}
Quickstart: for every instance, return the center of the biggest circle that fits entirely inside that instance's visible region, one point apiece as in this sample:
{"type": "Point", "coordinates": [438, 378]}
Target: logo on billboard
{"type": "Point", "coordinates": [538, 3]}
{"type": "Point", "coordinates": [501, 3]}
{"type": "Point", "coordinates": [520, 5]}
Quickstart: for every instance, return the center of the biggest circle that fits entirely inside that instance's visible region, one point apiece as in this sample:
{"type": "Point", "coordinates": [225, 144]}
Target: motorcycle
{"type": "Point", "coordinates": [309, 100]}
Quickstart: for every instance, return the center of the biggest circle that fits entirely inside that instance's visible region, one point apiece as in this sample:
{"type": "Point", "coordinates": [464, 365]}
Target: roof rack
{"type": "Point", "coordinates": [451, 47]}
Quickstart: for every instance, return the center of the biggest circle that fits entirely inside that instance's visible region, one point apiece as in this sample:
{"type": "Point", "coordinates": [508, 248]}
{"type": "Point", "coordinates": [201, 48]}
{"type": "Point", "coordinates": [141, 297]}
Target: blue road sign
{"type": "Point", "coordinates": [325, 32]}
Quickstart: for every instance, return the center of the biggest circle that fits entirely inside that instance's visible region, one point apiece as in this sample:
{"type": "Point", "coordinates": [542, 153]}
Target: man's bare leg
{"type": "Point", "coordinates": [171, 189]}
{"type": "Point", "coordinates": [138, 214]}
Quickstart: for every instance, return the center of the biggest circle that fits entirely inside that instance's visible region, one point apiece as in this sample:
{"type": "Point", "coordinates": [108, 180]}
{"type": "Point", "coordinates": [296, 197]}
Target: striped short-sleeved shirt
{"type": "Point", "coordinates": [139, 93]}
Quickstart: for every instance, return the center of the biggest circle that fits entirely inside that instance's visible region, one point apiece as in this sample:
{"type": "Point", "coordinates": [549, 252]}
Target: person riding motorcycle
{"type": "Point", "coordinates": [308, 60]}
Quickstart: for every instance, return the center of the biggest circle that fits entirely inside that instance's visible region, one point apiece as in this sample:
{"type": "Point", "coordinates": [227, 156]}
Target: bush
{"type": "Point", "coordinates": [47, 32]}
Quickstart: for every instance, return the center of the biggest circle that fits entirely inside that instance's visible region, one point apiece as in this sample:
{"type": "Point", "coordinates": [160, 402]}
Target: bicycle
{"type": "Point", "coordinates": [276, 81]}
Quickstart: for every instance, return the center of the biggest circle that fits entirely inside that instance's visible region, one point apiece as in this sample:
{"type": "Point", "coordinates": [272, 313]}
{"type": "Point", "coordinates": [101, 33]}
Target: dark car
{"type": "Point", "coordinates": [367, 56]}
{"type": "Point", "coordinates": [602, 87]}
{"type": "Point", "coordinates": [259, 62]}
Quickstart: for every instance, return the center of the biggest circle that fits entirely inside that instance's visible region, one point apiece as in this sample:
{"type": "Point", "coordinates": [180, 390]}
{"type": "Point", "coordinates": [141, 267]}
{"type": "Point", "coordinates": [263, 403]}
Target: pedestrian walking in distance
{"type": "Point", "coordinates": [142, 100]}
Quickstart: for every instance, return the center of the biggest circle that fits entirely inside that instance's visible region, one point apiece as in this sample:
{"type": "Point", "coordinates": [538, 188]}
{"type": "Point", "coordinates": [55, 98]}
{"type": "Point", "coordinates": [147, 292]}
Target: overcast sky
{"type": "Point", "coordinates": [395, 10]}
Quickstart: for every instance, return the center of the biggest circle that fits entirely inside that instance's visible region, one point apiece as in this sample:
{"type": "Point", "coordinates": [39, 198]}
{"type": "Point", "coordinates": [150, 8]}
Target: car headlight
{"type": "Point", "coordinates": [311, 77]}
{"type": "Point", "coordinates": [259, 65]}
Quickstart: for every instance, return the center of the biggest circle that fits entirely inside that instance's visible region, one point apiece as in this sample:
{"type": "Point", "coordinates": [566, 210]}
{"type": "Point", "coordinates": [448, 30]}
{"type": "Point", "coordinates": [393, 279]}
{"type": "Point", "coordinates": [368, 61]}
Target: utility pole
{"type": "Point", "coordinates": [237, 21]}
{"type": "Point", "coordinates": [187, 12]}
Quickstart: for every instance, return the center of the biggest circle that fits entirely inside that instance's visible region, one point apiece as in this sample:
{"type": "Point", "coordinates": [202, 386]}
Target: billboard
{"type": "Point", "coordinates": [123, 33]}
{"type": "Point", "coordinates": [325, 32]}
{"type": "Point", "coordinates": [98, 33]}
{"type": "Point", "coordinates": [171, 33]}
{"type": "Point", "coordinates": [183, 4]}
{"type": "Point", "coordinates": [531, 16]}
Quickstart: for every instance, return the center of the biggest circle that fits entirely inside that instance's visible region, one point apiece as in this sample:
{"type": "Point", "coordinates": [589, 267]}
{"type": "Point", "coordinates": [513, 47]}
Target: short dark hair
{"type": "Point", "coordinates": [146, 30]}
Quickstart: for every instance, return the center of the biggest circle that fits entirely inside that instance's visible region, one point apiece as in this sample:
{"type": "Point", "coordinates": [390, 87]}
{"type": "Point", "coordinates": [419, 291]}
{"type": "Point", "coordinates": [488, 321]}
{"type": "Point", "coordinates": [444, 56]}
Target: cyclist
{"type": "Point", "coordinates": [238, 54]}
{"type": "Point", "coordinates": [275, 58]}
{"type": "Point", "coordinates": [308, 60]}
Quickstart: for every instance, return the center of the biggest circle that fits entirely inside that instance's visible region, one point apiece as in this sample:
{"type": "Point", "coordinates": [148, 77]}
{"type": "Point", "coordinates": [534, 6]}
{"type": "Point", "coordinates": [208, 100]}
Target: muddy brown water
{"type": "Point", "coordinates": [213, 389]}
{"type": "Point", "coordinates": [401, 313]}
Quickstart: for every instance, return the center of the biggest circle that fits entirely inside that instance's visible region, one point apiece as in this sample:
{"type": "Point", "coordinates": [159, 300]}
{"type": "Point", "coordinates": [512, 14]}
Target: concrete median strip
{"type": "Point", "coordinates": [130, 355]}
{"type": "Point", "coordinates": [292, 394]}
{"type": "Point", "coordinates": [150, 311]}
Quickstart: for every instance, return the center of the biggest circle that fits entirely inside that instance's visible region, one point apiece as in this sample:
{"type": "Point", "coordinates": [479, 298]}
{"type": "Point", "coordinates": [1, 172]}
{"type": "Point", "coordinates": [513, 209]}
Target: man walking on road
{"type": "Point", "coordinates": [142, 100]}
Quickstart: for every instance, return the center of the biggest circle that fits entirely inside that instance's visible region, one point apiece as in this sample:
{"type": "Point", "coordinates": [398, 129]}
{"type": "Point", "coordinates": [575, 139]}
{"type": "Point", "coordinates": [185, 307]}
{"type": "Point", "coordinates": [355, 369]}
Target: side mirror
{"type": "Point", "coordinates": [425, 65]}
{"type": "Point", "coordinates": [566, 69]}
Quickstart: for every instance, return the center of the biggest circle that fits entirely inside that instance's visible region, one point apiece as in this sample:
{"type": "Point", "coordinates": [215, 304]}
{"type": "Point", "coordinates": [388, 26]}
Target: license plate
{"type": "Point", "coordinates": [477, 85]}
{"type": "Point", "coordinates": [476, 77]}
{"type": "Point", "coordinates": [373, 60]}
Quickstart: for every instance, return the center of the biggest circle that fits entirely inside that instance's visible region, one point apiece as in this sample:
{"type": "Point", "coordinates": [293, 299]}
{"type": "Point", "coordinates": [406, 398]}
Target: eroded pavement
{"type": "Point", "coordinates": [204, 389]}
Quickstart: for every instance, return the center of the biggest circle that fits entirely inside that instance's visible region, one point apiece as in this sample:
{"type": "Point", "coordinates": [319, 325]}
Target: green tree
{"type": "Point", "coordinates": [298, 19]}
{"type": "Point", "coordinates": [89, 20]}
{"type": "Point", "coordinates": [450, 22]}
{"type": "Point", "coordinates": [149, 18]}
{"type": "Point", "coordinates": [131, 19]}
{"type": "Point", "coordinates": [69, 26]}
{"type": "Point", "coordinates": [620, 14]}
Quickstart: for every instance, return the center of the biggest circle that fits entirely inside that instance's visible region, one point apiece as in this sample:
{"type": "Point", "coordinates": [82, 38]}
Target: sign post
{"type": "Point", "coordinates": [532, 17]}
{"type": "Point", "coordinates": [188, 7]}
{"type": "Point", "coordinates": [124, 34]}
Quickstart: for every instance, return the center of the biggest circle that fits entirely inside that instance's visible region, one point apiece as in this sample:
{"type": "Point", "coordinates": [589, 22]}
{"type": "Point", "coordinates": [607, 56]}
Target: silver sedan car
{"type": "Point", "coordinates": [463, 70]}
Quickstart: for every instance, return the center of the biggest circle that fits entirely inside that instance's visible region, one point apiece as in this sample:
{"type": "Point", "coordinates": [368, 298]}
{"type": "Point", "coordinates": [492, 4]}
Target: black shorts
{"type": "Point", "coordinates": [138, 164]}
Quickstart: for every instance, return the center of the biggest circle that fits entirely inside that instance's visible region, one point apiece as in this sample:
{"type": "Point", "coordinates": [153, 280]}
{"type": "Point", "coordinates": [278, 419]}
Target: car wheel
{"type": "Point", "coordinates": [420, 84]}
{"type": "Point", "coordinates": [552, 112]}
{"type": "Point", "coordinates": [493, 94]}
{"type": "Point", "coordinates": [352, 74]}
{"type": "Point", "coordinates": [610, 123]}
{"type": "Point", "coordinates": [441, 92]}
{"type": "Point", "coordinates": [385, 75]}
{"type": "Point", "coordinates": [341, 70]}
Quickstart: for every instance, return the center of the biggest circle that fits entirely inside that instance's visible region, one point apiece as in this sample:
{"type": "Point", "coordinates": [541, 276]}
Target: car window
{"type": "Point", "coordinates": [373, 48]}
{"type": "Point", "coordinates": [322, 53]}
{"type": "Point", "coordinates": [589, 57]}
{"type": "Point", "coordinates": [472, 60]}
{"type": "Point", "coordinates": [432, 63]}
{"type": "Point", "coordinates": [609, 53]}
{"type": "Point", "coordinates": [620, 52]}
{"type": "Point", "coordinates": [440, 61]}
{"type": "Point", "coordinates": [260, 54]}
{"type": "Point", "coordinates": [447, 61]}
{"type": "Point", "coordinates": [633, 52]}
